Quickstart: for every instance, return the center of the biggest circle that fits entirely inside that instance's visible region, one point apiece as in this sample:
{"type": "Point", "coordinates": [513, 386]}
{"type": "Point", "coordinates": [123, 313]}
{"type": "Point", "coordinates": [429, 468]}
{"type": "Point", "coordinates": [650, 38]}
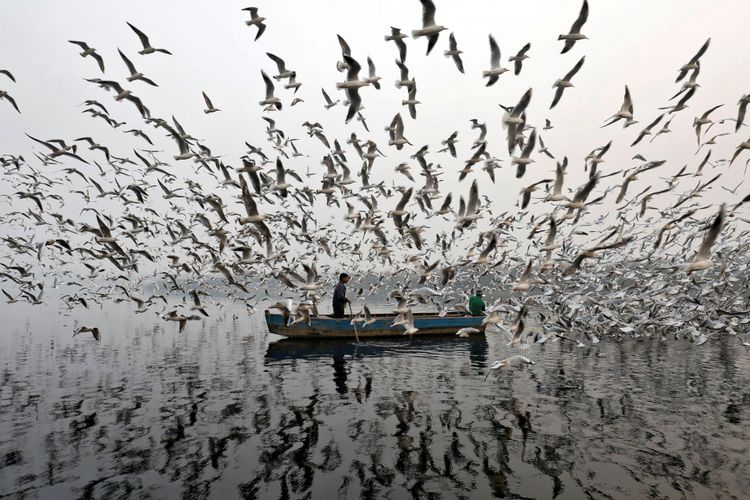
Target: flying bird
{"type": "Point", "coordinates": [519, 58]}
{"type": "Point", "coordinates": [147, 48]}
{"type": "Point", "coordinates": [398, 38]}
{"type": "Point", "coordinates": [270, 99]}
{"type": "Point", "coordinates": [694, 61]}
{"type": "Point", "coordinates": [429, 28]}
{"type": "Point", "coordinates": [255, 20]}
{"type": "Point", "coordinates": [134, 74]}
{"type": "Point", "coordinates": [454, 53]}
{"type": "Point", "coordinates": [575, 31]}
{"type": "Point", "coordinates": [565, 82]}
{"type": "Point", "coordinates": [89, 51]}
{"type": "Point", "coordinates": [495, 69]}
{"type": "Point", "coordinates": [209, 105]}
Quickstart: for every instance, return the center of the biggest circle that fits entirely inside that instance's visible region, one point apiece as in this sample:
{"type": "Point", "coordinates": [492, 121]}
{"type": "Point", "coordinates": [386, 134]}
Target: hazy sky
{"type": "Point", "coordinates": [638, 43]}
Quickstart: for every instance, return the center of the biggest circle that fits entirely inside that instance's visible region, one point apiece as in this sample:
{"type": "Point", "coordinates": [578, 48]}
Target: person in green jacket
{"type": "Point", "coordinates": [476, 304]}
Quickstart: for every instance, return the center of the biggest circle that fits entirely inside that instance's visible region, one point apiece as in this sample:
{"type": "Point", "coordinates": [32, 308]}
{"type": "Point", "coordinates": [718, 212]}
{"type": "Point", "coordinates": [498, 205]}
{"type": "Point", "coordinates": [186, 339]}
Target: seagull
{"type": "Point", "coordinates": [744, 100]}
{"type": "Point", "coordinates": [514, 119]}
{"type": "Point", "coordinates": [397, 138]}
{"type": "Point", "coordinates": [524, 159]}
{"type": "Point", "coordinates": [526, 192]}
{"type": "Point", "coordinates": [209, 106]}
{"type": "Point", "coordinates": [591, 253]}
{"type": "Point", "coordinates": [647, 131]}
{"type": "Point", "coordinates": [351, 86]}
{"type": "Point", "coordinates": [134, 74]}
{"type": "Point", "coordinates": [663, 130]}
{"type": "Point", "coordinates": [701, 261]}
{"type": "Point", "coordinates": [429, 28]}
{"type": "Point", "coordinates": [89, 51]}
{"type": "Point", "coordinates": [559, 177]}
{"type": "Point", "coordinates": [57, 151]}
{"type": "Point", "coordinates": [575, 31]}
{"type": "Point", "coordinates": [94, 331]}
{"type": "Point", "coordinates": [471, 213]}
{"type": "Point", "coordinates": [519, 58]}
{"type": "Point", "coordinates": [450, 144]}
{"type": "Point", "coordinates": [281, 66]}
{"type": "Point", "coordinates": [694, 61]}
{"type": "Point", "coordinates": [123, 94]}
{"type": "Point", "coordinates": [454, 53]}
{"type": "Point", "coordinates": [691, 83]}
{"type": "Point", "coordinates": [270, 100]}
{"type": "Point", "coordinates": [404, 81]}
{"type": "Point", "coordinates": [508, 362]}
{"type": "Point", "coordinates": [703, 120]}
{"type": "Point", "coordinates": [255, 20]}
{"type": "Point", "coordinates": [626, 111]}
{"type": "Point", "coordinates": [565, 82]}
{"type": "Point", "coordinates": [467, 332]}
{"type": "Point", "coordinates": [495, 70]}
{"type": "Point", "coordinates": [398, 37]}
{"type": "Point", "coordinates": [372, 77]}
{"type": "Point", "coordinates": [147, 48]}
{"type": "Point", "coordinates": [197, 306]}
{"type": "Point", "coordinates": [412, 101]}
{"type": "Point", "coordinates": [329, 103]}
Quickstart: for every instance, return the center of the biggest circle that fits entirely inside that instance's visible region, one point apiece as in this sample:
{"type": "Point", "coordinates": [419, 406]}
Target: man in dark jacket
{"type": "Point", "coordinates": [339, 296]}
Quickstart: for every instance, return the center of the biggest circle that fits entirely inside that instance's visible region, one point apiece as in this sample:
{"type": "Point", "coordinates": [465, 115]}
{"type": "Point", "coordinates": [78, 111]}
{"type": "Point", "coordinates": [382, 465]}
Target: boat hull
{"type": "Point", "coordinates": [327, 327]}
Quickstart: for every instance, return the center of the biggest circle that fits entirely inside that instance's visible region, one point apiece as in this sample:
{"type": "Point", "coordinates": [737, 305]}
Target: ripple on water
{"type": "Point", "coordinates": [221, 411]}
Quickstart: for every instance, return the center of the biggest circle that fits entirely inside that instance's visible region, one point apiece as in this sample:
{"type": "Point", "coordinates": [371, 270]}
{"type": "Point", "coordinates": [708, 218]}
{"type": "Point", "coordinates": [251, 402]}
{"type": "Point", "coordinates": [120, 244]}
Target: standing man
{"type": "Point", "coordinates": [476, 304]}
{"type": "Point", "coordinates": [339, 296]}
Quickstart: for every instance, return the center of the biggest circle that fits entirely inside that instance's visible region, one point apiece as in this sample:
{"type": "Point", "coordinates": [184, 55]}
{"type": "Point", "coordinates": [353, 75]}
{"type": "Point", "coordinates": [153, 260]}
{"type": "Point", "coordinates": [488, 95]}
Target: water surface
{"type": "Point", "coordinates": [226, 410]}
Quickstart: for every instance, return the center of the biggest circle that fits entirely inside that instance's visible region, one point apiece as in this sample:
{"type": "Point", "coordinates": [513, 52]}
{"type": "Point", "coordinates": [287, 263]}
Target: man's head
{"type": "Point", "coordinates": [344, 278]}
{"type": "Point", "coordinates": [478, 293]}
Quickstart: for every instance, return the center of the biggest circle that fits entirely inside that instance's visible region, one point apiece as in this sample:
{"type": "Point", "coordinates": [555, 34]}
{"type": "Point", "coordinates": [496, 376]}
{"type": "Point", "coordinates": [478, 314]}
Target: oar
{"type": "Point", "coordinates": [351, 313]}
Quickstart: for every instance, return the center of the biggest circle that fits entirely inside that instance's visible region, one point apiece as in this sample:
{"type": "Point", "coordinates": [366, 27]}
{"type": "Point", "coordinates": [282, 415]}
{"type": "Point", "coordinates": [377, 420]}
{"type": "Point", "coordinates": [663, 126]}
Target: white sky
{"type": "Point", "coordinates": [638, 43]}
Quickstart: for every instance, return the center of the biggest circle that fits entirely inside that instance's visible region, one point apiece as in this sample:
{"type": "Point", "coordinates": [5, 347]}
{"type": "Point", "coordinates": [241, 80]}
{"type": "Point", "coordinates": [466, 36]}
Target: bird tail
{"type": "Point", "coordinates": [415, 34]}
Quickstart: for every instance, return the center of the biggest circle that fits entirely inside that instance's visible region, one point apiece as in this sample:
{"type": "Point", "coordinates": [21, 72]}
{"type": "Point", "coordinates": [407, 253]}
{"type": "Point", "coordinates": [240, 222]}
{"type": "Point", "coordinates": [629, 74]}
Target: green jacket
{"type": "Point", "coordinates": [476, 305]}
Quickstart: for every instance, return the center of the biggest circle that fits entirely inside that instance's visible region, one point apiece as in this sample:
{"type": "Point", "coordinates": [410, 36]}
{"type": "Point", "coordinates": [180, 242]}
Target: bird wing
{"type": "Point", "coordinates": [345, 50]}
{"type": "Point", "coordinates": [404, 199]}
{"type": "Point", "coordinates": [353, 73]}
{"type": "Point", "coordinates": [269, 85]}
{"type": "Point", "coordinates": [279, 62]}
{"type": "Point", "coordinates": [494, 53]}
{"type": "Point", "coordinates": [83, 45]}
{"type": "Point", "coordinates": [711, 235]}
{"type": "Point", "coordinates": [354, 103]}
{"type": "Point", "coordinates": [575, 69]}
{"type": "Point", "coordinates": [141, 35]}
{"type": "Point", "coordinates": [129, 64]}
{"type": "Point", "coordinates": [99, 60]}
{"type": "Point", "coordinates": [404, 70]}
{"type": "Point", "coordinates": [552, 232]}
{"type": "Point", "coordinates": [208, 101]}
{"type": "Point", "coordinates": [428, 13]}
{"type": "Point", "coordinates": [473, 203]}
{"type": "Point", "coordinates": [582, 17]}
{"type": "Point", "coordinates": [325, 96]}
{"type": "Point", "coordinates": [7, 73]}
{"type": "Point", "coordinates": [12, 102]}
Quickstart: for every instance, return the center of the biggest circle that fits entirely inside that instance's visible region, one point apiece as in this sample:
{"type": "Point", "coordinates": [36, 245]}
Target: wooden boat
{"type": "Point", "coordinates": [328, 327]}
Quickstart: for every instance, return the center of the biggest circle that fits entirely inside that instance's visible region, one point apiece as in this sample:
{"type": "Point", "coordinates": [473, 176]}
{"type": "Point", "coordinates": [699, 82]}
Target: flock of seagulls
{"type": "Point", "coordinates": [260, 221]}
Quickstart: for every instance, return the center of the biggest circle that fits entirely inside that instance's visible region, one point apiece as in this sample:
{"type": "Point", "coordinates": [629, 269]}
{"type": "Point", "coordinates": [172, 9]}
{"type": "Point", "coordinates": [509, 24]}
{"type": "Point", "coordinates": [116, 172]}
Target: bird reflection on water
{"type": "Point", "coordinates": [223, 410]}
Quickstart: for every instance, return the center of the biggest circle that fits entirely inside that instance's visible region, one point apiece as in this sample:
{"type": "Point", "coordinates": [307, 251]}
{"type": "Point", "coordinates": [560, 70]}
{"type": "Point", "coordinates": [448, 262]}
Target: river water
{"type": "Point", "coordinates": [227, 410]}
